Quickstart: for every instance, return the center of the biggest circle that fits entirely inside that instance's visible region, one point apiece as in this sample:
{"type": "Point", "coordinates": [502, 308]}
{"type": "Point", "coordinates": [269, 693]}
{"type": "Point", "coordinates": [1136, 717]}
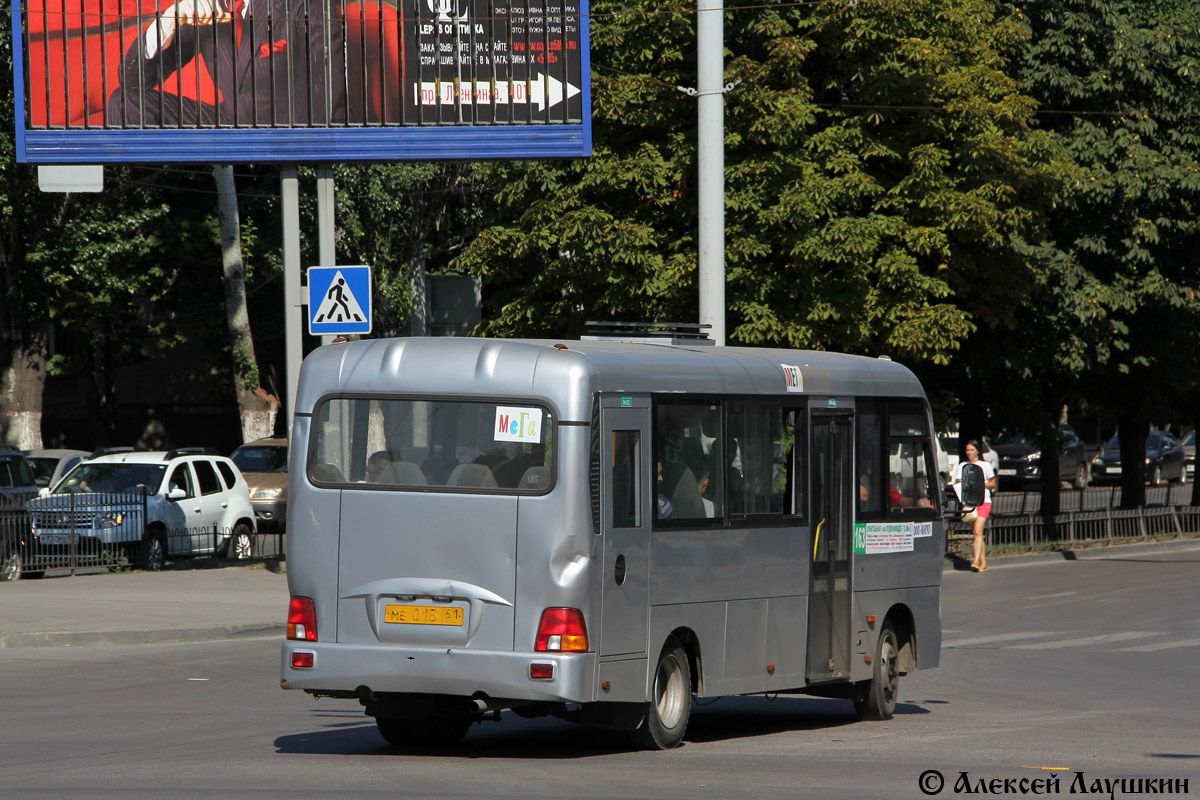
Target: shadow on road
{"type": "Point", "coordinates": [350, 733]}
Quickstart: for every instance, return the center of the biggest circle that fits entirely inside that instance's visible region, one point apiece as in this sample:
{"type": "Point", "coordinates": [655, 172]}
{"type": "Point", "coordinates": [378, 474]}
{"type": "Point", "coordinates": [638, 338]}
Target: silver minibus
{"type": "Point", "coordinates": [603, 530]}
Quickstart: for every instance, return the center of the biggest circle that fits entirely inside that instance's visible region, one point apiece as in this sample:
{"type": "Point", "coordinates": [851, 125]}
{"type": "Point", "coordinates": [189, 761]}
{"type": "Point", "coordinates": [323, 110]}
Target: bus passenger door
{"type": "Point", "coordinates": [624, 523]}
{"type": "Point", "coordinates": [829, 582]}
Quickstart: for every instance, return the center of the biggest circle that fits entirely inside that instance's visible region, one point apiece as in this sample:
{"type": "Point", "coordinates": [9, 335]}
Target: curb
{"type": "Point", "coordinates": [132, 637]}
{"type": "Point", "coordinates": [1112, 551]}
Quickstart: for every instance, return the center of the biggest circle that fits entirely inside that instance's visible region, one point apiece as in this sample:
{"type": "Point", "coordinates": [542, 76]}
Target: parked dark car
{"type": "Point", "coordinates": [16, 490]}
{"type": "Point", "coordinates": [1021, 460]}
{"type": "Point", "coordinates": [1164, 460]}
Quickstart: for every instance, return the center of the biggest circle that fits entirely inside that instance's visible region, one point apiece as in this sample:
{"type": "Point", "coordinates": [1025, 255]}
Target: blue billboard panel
{"type": "Point", "coordinates": [119, 81]}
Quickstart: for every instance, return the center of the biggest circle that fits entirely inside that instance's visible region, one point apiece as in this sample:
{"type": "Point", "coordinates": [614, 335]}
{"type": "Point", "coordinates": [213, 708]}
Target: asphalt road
{"type": "Point", "coordinates": [1049, 670]}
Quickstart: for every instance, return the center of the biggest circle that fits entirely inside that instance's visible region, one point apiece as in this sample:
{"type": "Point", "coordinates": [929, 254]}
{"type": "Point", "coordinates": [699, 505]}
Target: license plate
{"type": "Point", "coordinates": [1008, 472]}
{"type": "Point", "coordinates": [56, 538]}
{"type": "Point", "coordinates": [424, 615]}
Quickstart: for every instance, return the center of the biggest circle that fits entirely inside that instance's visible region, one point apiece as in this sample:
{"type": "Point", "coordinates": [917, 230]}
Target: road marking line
{"type": "Point", "coordinates": [999, 637]}
{"type": "Point", "coordinates": [1150, 648]}
{"type": "Point", "coordinates": [1052, 596]}
{"type": "Point", "coordinates": [1086, 640]}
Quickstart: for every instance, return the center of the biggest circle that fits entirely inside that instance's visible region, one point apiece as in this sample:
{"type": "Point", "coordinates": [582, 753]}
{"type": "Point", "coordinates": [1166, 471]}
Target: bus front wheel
{"type": "Point", "coordinates": [670, 701]}
{"type": "Point", "coordinates": [878, 698]}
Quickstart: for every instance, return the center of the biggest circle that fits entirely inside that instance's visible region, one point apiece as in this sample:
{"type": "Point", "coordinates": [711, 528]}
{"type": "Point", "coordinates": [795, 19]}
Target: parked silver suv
{"type": "Point", "coordinates": [146, 506]}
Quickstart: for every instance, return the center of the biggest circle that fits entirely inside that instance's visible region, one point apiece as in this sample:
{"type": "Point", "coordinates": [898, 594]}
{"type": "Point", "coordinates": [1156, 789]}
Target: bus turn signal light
{"type": "Point", "coordinates": [302, 619]}
{"type": "Point", "coordinates": [562, 630]}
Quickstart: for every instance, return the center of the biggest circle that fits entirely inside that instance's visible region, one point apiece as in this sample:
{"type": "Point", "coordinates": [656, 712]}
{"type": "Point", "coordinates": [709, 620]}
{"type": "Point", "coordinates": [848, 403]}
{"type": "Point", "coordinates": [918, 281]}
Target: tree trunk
{"type": "Point", "coordinates": [1132, 432]}
{"type": "Point", "coordinates": [21, 385]}
{"type": "Point", "coordinates": [24, 344]}
{"type": "Point", "coordinates": [1051, 504]}
{"type": "Point", "coordinates": [256, 406]}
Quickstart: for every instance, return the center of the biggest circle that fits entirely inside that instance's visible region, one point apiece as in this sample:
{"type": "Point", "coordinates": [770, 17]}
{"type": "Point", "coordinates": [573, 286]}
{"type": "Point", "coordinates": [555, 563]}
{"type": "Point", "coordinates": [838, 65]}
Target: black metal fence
{"type": "Point", "coordinates": [101, 529]}
{"type": "Point", "coordinates": [14, 536]}
{"type": "Point", "coordinates": [1086, 517]}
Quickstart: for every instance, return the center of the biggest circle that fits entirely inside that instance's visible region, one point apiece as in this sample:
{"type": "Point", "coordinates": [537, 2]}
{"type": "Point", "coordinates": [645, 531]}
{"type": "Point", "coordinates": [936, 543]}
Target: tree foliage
{"type": "Point", "coordinates": [879, 163]}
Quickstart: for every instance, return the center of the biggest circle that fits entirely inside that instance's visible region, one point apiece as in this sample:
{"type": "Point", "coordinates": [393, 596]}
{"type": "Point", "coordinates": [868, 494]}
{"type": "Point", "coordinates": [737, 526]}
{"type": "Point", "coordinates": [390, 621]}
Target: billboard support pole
{"type": "Point", "coordinates": [292, 303]}
{"type": "Point", "coordinates": [326, 229]}
{"type": "Point", "coordinates": [710, 79]}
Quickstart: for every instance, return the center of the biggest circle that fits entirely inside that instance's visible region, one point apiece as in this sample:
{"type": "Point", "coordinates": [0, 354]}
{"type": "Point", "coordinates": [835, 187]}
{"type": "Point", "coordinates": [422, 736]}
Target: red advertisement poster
{"type": "Point", "coordinates": [209, 64]}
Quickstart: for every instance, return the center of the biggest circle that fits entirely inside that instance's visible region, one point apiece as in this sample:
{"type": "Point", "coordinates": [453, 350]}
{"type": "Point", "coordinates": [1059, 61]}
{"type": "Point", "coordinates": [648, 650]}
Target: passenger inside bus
{"type": "Point", "coordinates": [896, 498]}
{"type": "Point", "coordinates": [678, 482]}
{"type": "Point", "coordinates": [699, 467]}
{"type": "Point", "coordinates": [376, 464]}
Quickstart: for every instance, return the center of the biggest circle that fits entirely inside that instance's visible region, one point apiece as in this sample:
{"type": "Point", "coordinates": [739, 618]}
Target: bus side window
{"type": "Point", "coordinates": [625, 478]}
{"type": "Point", "coordinates": [762, 474]}
{"type": "Point", "coordinates": [688, 487]}
{"type": "Point", "coordinates": [910, 489]}
{"type": "Point", "coordinates": [868, 426]}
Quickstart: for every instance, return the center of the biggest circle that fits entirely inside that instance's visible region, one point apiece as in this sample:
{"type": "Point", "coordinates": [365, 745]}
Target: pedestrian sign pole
{"type": "Point", "coordinates": [339, 301]}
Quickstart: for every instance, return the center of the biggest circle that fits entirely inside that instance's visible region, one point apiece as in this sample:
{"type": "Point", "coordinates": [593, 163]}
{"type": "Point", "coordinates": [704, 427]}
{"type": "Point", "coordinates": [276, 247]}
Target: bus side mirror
{"type": "Point", "coordinates": [972, 485]}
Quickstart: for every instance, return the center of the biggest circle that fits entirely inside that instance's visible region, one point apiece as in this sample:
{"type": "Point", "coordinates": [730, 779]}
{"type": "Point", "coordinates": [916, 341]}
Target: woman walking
{"type": "Point", "coordinates": [982, 512]}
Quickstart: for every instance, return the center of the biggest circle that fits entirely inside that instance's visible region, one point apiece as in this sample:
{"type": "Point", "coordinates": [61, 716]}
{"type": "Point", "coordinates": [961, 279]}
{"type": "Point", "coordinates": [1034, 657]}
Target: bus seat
{"type": "Point", "coordinates": [510, 473]}
{"type": "Point", "coordinates": [403, 473]}
{"type": "Point", "coordinates": [535, 478]}
{"type": "Point", "coordinates": [326, 473]}
{"type": "Point", "coordinates": [438, 469]}
{"type": "Point", "coordinates": [472, 475]}
{"type": "Point", "coordinates": [679, 482]}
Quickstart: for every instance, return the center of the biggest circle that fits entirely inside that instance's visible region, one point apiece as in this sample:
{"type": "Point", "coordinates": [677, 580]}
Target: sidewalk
{"type": "Point", "coordinates": [1112, 552]}
{"type": "Point", "coordinates": [205, 604]}
{"type": "Point", "coordinates": [143, 607]}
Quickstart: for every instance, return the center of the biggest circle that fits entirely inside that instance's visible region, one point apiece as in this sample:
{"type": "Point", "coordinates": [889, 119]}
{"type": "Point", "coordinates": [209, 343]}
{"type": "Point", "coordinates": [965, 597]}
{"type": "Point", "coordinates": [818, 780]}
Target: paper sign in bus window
{"type": "Point", "coordinates": [517, 424]}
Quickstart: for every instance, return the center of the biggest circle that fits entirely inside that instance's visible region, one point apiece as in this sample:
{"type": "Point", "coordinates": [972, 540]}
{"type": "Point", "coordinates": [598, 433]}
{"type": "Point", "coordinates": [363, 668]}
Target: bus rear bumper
{"type": "Point", "coordinates": [340, 668]}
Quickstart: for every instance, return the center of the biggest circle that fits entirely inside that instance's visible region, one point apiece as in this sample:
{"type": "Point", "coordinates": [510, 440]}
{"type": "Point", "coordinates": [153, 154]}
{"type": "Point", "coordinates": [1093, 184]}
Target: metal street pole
{"type": "Point", "coordinates": [292, 303]}
{"type": "Point", "coordinates": [710, 79]}
{"type": "Point", "coordinates": [326, 227]}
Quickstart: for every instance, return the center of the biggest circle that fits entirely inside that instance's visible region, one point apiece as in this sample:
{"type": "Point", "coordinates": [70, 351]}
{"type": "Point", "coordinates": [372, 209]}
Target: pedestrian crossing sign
{"type": "Point", "coordinates": [339, 300]}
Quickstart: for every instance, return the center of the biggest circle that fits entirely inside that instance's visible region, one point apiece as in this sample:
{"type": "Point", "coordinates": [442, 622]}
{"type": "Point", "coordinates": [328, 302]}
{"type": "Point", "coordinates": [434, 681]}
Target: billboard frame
{"type": "Point", "coordinates": [365, 143]}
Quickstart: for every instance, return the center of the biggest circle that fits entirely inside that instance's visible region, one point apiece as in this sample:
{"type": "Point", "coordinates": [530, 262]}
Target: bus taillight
{"type": "Point", "coordinates": [302, 619]}
{"type": "Point", "coordinates": [562, 629]}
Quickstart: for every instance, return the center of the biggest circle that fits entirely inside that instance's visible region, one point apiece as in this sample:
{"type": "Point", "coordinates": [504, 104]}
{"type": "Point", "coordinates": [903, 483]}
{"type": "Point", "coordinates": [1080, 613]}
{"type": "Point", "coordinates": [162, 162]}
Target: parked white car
{"type": "Point", "coordinates": [150, 505]}
{"type": "Point", "coordinates": [947, 459]}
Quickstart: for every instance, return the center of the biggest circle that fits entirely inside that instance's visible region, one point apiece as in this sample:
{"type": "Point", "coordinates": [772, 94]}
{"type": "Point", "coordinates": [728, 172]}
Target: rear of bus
{"type": "Point", "coordinates": [439, 533]}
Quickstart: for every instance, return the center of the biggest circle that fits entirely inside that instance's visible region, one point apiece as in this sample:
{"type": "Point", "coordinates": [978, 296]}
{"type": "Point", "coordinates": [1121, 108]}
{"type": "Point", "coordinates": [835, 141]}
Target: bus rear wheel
{"type": "Point", "coordinates": [878, 699]}
{"type": "Point", "coordinates": [670, 703]}
{"type": "Point", "coordinates": [430, 731]}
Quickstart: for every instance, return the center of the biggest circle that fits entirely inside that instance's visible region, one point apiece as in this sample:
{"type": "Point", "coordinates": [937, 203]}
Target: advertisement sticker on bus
{"type": "Point", "coordinates": [518, 424]}
{"type": "Point", "coordinates": [792, 378]}
{"type": "Point", "coordinates": [883, 537]}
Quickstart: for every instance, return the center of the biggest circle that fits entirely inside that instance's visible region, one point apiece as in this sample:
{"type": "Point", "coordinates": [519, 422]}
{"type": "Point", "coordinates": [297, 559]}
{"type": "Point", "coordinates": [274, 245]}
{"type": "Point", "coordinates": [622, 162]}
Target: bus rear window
{"type": "Point", "coordinates": [463, 446]}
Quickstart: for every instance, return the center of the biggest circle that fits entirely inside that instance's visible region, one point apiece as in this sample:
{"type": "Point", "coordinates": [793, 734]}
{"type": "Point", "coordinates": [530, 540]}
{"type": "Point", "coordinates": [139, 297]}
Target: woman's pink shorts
{"type": "Point", "coordinates": [984, 511]}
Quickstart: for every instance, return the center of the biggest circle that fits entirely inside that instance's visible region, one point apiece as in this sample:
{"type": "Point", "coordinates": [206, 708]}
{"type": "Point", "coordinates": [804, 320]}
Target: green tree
{"type": "Point", "coordinates": [74, 264]}
{"type": "Point", "coordinates": [1119, 85]}
{"type": "Point", "coordinates": [881, 175]}
{"type": "Point", "coordinates": [405, 220]}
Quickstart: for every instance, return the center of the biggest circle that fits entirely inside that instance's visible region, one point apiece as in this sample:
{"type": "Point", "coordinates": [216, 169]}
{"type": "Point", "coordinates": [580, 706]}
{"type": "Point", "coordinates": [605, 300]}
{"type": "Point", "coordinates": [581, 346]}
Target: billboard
{"type": "Point", "coordinates": [120, 81]}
